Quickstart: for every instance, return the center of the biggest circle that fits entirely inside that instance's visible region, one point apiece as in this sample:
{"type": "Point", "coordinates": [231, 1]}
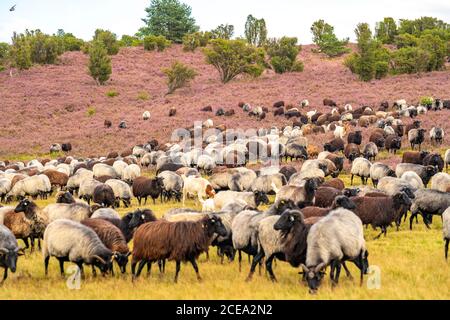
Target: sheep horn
{"type": "Point", "coordinates": [4, 250]}
{"type": "Point", "coordinates": [320, 267]}
{"type": "Point", "coordinates": [100, 259]}
{"type": "Point", "coordinates": [305, 268]}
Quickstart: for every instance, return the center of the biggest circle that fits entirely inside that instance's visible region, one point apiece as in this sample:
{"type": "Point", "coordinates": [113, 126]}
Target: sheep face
{"type": "Point", "coordinates": [287, 220]}
{"type": "Point", "coordinates": [22, 206]}
{"type": "Point", "coordinates": [408, 192]}
{"type": "Point", "coordinates": [8, 258]}
{"type": "Point", "coordinates": [104, 263]}
{"type": "Point", "coordinates": [362, 262]}
{"type": "Point", "coordinates": [214, 225]}
{"type": "Point", "coordinates": [65, 197]}
{"type": "Point", "coordinates": [122, 260]}
{"type": "Point", "coordinates": [137, 218]}
{"type": "Point", "coordinates": [261, 197]}
{"type": "Point", "coordinates": [284, 205]}
{"type": "Point", "coordinates": [345, 202]}
{"type": "Point", "coordinates": [314, 276]}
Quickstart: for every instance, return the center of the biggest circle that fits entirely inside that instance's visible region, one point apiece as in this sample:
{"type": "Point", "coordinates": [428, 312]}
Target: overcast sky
{"type": "Point", "coordinates": [283, 17]}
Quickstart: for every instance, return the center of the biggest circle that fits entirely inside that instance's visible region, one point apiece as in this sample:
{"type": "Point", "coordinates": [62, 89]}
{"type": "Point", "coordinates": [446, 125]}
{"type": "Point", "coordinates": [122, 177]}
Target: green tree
{"type": "Point", "coordinates": [4, 55]}
{"type": "Point", "coordinates": [436, 47]}
{"type": "Point", "coordinates": [178, 76]}
{"type": "Point", "coordinates": [324, 37]}
{"type": "Point", "coordinates": [406, 40]}
{"type": "Point", "coordinates": [386, 30]}
{"type": "Point", "coordinates": [130, 41]}
{"type": "Point", "coordinates": [99, 63]}
{"type": "Point", "coordinates": [224, 31]}
{"type": "Point", "coordinates": [168, 18]}
{"type": "Point", "coordinates": [108, 39]}
{"type": "Point", "coordinates": [283, 55]}
{"type": "Point", "coordinates": [20, 52]}
{"type": "Point", "coordinates": [44, 48]}
{"type": "Point", "coordinates": [255, 31]}
{"type": "Point", "coordinates": [159, 43]}
{"type": "Point", "coordinates": [409, 60]}
{"type": "Point", "coordinates": [234, 57]}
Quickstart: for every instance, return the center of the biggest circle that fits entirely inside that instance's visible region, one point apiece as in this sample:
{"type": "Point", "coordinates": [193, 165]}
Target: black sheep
{"type": "Point", "coordinates": [334, 145]}
{"type": "Point", "coordinates": [355, 137]}
{"type": "Point", "coordinates": [144, 187]}
{"type": "Point", "coordinates": [104, 196]}
{"type": "Point", "coordinates": [393, 143]}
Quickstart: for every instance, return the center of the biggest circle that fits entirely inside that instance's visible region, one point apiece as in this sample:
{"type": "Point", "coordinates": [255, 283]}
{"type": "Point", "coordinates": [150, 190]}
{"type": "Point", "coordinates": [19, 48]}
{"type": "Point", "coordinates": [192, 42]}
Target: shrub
{"type": "Point", "coordinates": [21, 52]}
{"type": "Point", "coordinates": [86, 47]}
{"type": "Point", "coordinates": [130, 41]}
{"type": "Point", "coordinates": [99, 63]}
{"type": "Point", "coordinates": [178, 76]}
{"type": "Point", "coordinates": [4, 55]}
{"type": "Point", "coordinates": [409, 60]}
{"type": "Point", "coordinates": [386, 30]}
{"type": "Point", "coordinates": [44, 48]}
{"type": "Point", "coordinates": [224, 31]}
{"type": "Point", "coordinates": [144, 96]}
{"type": "Point", "coordinates": [91, 111]}
{"type": "Point", "coordinates": [112, 93]}
{"type": "Point", "coordinates": [108, 39]}
{"type": "Point", "coordinates": [326, 40]}
{"type": "Point", "coordinates": [234, 57]}
{"type": "Point", "coordinates": [437, 49]}
{"type": "Point", "coordinates": [283, 54]}
{"type": "Point", "coordinates": [406, 40]}
{"type": "Point", "coordinates": [426, 101]}
{"type": "Point", "coordinates": [159, 43]}
{"type": "Point", "coordinates": [194, 40]}
{"type": "Point", "coordinates": [70, 42]}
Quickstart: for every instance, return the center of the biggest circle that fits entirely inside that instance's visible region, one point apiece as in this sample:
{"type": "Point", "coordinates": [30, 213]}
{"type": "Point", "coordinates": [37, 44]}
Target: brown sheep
{"type": "Point", "coordinates": [57, 179]}
{"type": "Point", "coordinates": [334, 183]}
{"type": "Point", "coordinates": [336, 144]}
{"type": "Point", "coordinates": [104, 196]}
{"type": "Point", "coordinates": [338, 202]}
{"type": "Point", "coordinates": [112, 238]}
{"type": "Point", "coordinates": [364, 122]}
{"type": "Point", "coordinates": [180, 241]}
{"type": "Point", "coordinates": [415, 125]}
{"type": "Point", "coordinates": [112, 155]}
{"type": "Point", "coordinates": [312, 150]}
{"type": "Point", "coordinates": [352, 151]}
{"type": "Point", "coordinates": [126, 152]}
{"type": "Point", "coordinates": [329, 102]}
{"type": "Point", "coordinates": [325, 196]}
{"type": "Point", "coordinates": [278, 104]}
{"type": "Point", "coordinates": [107, 124]}
{"type": "Point", "coordinates": [144, 187]}
{"type": "Point", "coordinates": [17, 178]}
{"type": "Point", "coordinates": [103, 179]}
{"type": "Point", "coordinates": [19, 225]}
{"type": "Point", "coordinates": [172, 112]}
{"type": "Point", "coordinates": [337, 160]}
{"type": "Point", "coordinates": [415, 157]}
{"type": "Point", "coordinates": [378, 139]}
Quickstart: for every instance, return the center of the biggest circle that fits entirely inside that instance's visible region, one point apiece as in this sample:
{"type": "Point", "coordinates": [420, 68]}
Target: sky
{"type": "Point", "coordinates": [283, 17]}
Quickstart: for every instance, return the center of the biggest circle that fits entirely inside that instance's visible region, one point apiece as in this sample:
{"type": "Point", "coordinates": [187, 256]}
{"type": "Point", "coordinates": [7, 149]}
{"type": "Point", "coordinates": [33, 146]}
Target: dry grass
{"type": "Point", "coordinates": [411, 262]}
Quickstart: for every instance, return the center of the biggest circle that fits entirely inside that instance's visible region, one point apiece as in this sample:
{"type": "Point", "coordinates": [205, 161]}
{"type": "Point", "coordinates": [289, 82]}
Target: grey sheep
{"type": "Point", "coordinates": [122, 192]}
{"type": "Point", "coordinates": [206, 163]}
{"type": "Point", "coordinates": [436, 135]}
{"type": "Point", "coordinates": [447, 159]}
{"type": "Point", "coordinates": [446, 229]}
{"type": "Point", "coordinates": [221, 180]}
{"type": "Point", "coordinates": [413, 178]}
{"type": "Point", "coordinates": [428, 203]}
{"type": "Point", "coordinates": [71, 241]}
{"type": "Point", "coordinates": [73, 184]}
{"type": "Point", "coordinates": [101, 169]}
{"type": "Point", "coordinates": [5, 187]}
{"type": "Point", "coordinates": [86, 189]}
{"type": "Point", "coordinates": [105, 213]}
{"type": "Point", "coordinates": [391, 186]}
{"type": "Point", "coordinates": [9, 251]}
{"type": "Point", "coordinates": [38, 185]}
{"type": "Point", "coordinates": [266, 183]}
{"type": "Point", "coordinates": [370, 151]}
{"type": "Point", "coordinates": [361, 168]}
{"type": "Point", "coordinates": [301, 196]}
{"type": "Point", "coordinates": [378, 171]}
{"type": "Point", "coordinates": [424, 172]}
{"type": "Point", "coordinates": [416, 137]}
{"type": "Point", "coordinates": [332, 240]}
{"type": "Point", "coordinates": [77, 211]}
{"type": "Point", "coordinates": [252, 199]}
{"type": "Point", "coordinates": [441, 182]}
{"type": "Point", "coordinates": [242, 180]}
{"type": "Point", "coordinates": [172, 185]}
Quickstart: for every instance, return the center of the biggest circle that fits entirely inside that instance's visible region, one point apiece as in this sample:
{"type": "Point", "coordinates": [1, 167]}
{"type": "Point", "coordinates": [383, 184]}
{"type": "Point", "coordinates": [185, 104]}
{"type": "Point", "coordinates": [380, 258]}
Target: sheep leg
{"type": "Point", "coordinates": [413, 214]}
{"type": "Point", "coordinates": [149, 268]}
{"type": "Point", "coordinates": [25, 240]}
{"type": "Point", "coordinates": [177, 270]}
{"type": "Point", "coordinates": [256, 259]}
{"type": "Point", "coordinates": [240, 260]}
{"type": "Point", "coordinates": [140, 267]}
{"type": "Point", "coordinates": [61, 267]}
{"type": "Point", "coordinates": [337, 274]}
{"type": "Point", "coordinates": [347, 272]}
{"type": "Point", "coordinates": [162, 266]}
{"type": "Point", "coordinates": [378, 236]}
{"type": "Point", "coordinates": [446, 248]}
{"type": "Point", "coordinates": [269, 268]}
{"type": "Point", "coordinates": [80, 265]}
{"type": "Point", "coordinates": [194, 265]}
{"type": "Point", "coordinates": [46, 260]}
{"type": "Point", "coordinates": [351, 181]}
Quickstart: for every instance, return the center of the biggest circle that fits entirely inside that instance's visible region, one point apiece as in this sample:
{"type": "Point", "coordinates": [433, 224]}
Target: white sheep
{"type": "Point", "coordinates": [196, 186]}
{"type": "Point", "coordinates": [146, 115]}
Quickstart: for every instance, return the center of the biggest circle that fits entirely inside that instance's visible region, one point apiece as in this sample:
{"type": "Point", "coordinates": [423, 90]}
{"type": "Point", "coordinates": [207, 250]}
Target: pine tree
{"type": "Point", "coordinates": [99, 63]}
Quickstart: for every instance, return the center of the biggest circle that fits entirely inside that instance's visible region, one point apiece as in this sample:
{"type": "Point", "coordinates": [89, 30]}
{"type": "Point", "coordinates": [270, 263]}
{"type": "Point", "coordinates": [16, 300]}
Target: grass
{"type": "Point", "coordinates": [144, 96]}
{"type": "Point", "coordinates": [91, 111]}
{"type": "Point", "coordinates": [411, 263]}
{"type": "Point", "coordinates": [112, 93]}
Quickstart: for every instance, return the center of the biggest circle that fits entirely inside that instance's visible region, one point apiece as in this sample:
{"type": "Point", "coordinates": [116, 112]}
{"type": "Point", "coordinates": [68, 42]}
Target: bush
{"type": "Point", "coordinates": [91, 111]}
{"type": "Point", "coordinates": [426, 101]}
{"type": "Point", "coordinates": [178, 76]}
{"type": "Point", "coordinates": [326, 40]}
{"type": "Point", "coordinates": [108, 39]}
{"type": "Point", "coordinates": [437, 49]}
{"type": "Point", "coordinates": [159, 43]}
{"type": "Point", "coordinates": [386, 30]}
{"type": "Point", "coordinates": [112, 93]}
{"type": "Point", "coordinates": [409, 60]}
{"type": "Point", "coordinates": [224, 31]}
{"type": "Point", "coordinates": [4, 55]}
{"type": "Point", "coordinates": [86, 47]}
{"type": "Point", "coordinates": [71, 43]}
{"type": "Point", "coordinates": [194, 40]}
{"type": "Point", "coordinates": [44, 48]}
{"type": "Point", "coordinates": [99, 63]}
{"type": "Point", "coordinates": [283, 54]}
{"type": "Point", "coordinates": [234, 57]}
{"type": "Point", "coordinates": [144, 96]}
{"type": "Point", "coordinates": [406, 40]}
{"type": "Point", "coordinates": [130, 41]}
{"type": "Point", "coordinates": [21, 52]}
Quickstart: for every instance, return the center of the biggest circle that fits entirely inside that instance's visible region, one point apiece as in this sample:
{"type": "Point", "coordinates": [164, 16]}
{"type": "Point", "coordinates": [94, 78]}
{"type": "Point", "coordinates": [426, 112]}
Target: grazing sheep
{"type": "Point", "coordinates": [113, 239]}
{"type": "Point", "coordinates": [329, 103]}
{"type": "Point", "coordinates": [9, 252]}
{"type": "Point", "coordinates": [206, 163]}
{"type": "Point", "coordinates": [334, 145]}
{"type": "Point", "coordinates": [341, 201]}
{"type": "Point", "coordinates": [331, 241]}
{"type": "Point", "coordinates": [73, 184]}
{"type": "Point", "coordinates": [288, 171]}
{"type": "Point", "coordinates": [144, 187]}
{"type": "Point", "coordinates": [146, 116]}
{"type": "Point", "coordinates": [101, 169]}
{"type": "Point", "coordinates": [71, 241]}
{"type": "Point", "coordinates": [131, 221]}
{"type": "Point", "coordinates": [86, 189]}
{"type": "Point", "coordinates": [55, 148]}
{"type": "Point", "coordinates": [242, 180]}
{"type": "Point", "coordinates": [334, 183]}
{"type": "Point", "coordinates": [393, 143]}
{"type": "Point", "coordinates": [424, 172]}
{"type": "Point", "coordinates": [445, 230]}
{"type": "Point", "coordinates": [65, 197]}
{"type": "Point", "coordinates": [447, 159]}
{"type": "Point", "coordinates": [428, 203]}
{"type": "Point", "coordinates": [104, 196]}
{"type": "Point", "coordinates": [355, 137]}
{"type": "Point", "coordinates": [300, 196]}
{"type": "Point", "coordinates": [352, 152]}
{"type": "Point", "coordinates": [413, 179]}
{"type": "Point", "coordinates": [338, 161]}
{"type": "Point", "coordinates": [416, 137]}
{"type": "Point", "coordinates": [172, 185]}
{"type": "Point", "coordinates": [77, 211]}
{"type": "Point", "coordinates": [435, 160]}
{"type": "Point", "coordinates": [414, 157]}
{"type": "Point", "coordinates": [57, 179]}
{"type": "Point", "coordinates": [361, 168]}
{"type": "Point", "coordinates": [38, 219]}
{"type": "Point", "coordinates": [378, 139]}
{"type": "Point", "coordinates": [130, 173]}
{"type": "Point", "coordinates": [370, 151]}
{"type": "Point", "coordinates": [172, 112]}
{"type": "Point", "coordinates": [122, 192]}
{"type": "Point", "coordinates": [34, 186]}
{"type": "Point", "coordinates": [5, 187]}
{"type": "Point", "coordinates": [325, 196]}
{"type": "Point", "coordinates": [441, 182]}
{"type": "Point", "coordinates": [251, 199]}
{"type": "Point", "coordinates": [378, 171]}
{"type": "Point", "coordinates": [196, 186]}
{"type": "Point", "coordinates": [107, 124]}
{"type": "Point", "coordinates": [179, 241]}
{"type": "Point", "coordinates": [105, 213]}
{"type": "Point", "coordinates": [268, 183]}
{"type": "Point", "coordinates": [436, 135]}
{"type": "Point", "coordinates": [19, 224]}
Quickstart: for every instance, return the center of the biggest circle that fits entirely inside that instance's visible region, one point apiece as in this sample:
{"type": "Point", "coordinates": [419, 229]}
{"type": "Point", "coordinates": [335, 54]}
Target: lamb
{"type": "Point", "coordinates": [332, 240]}
{"type": "Point", "coordinates": [179, 241]}
{"type": "Point", "coordinates": [355, 137]}
{"type": "Point", "coordinates": [9, 252]}
{"type": "Point", "coordinates": [122, 192]}
{"type": "Point", "coordinates": [172, 185]}
{"type": "Point", "coordinates": [352, 152]}
{"type": "Point", "coordinates": [370, 151]}
{"type": "Point", "coordinates": [144, 187]}
{"type": "Point", "coordinates": [416, 137]}
{"type": "Point", "coordinates": [393, 143]}
{"type": "Point", "coordinates": [378, 171]}
{"type": "Point", "coordinates": [334, 145]}
{"type": "Point", "coordinates": [446, 230]}
{"type": "Point", "coordinates": [428, 203]}
{"type": "Point", "coordinates": [436, 135]}
{"type": "Point", "coordinates": [361, 168]}
{"type": "Point", "coordinates": [441, 182]}
{"type": "Point", "coordinates": [68, 240]}
{"type": "Point", "coordinates": [113, 239]}
{"type": "Point", "coordinates": [77, 211]}
{"type": "Point", "coordinates": [300, 196]}
{"type": "Point", "coordinates": [413, 179]}
{"type": "Point", "coordinates": [251, 199]}
{"type": "Point", "coordinates": [424, 172]}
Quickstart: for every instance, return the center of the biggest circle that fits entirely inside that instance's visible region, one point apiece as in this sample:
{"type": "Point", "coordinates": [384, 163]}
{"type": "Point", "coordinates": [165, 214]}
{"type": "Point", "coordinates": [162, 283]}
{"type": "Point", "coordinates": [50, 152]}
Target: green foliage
{"type": "Point", "coordinates": [224, 31]}
{"type": "Point", "coordinates": [112, 93]}
{"type": "Point", "coordinates": [406, 40]}
{"type": "Point", "coordinates": [194, 40]}
{"type": "Point", "coordinates": [283, 54]}
{"type": "Point", "coordinates": [409, 60]}
{"type": "Point", "coordinates": [86, 47]}
{"type": "Point", "coordinates": [324, 37]}
{"type": "Point", "coordinates": [159, 43]}
{"type": "Point", "coordinates": [386, 30]}
{"type": "Point", "coordinates": [168, 18]}
{"type": "Point", "coordinates": [130, 41]}
{"type": "Point", "coordinates": [108, 39]}
{"type": "Point", "coordinates": [426, 101]}
{"type": "Point", "coordinates": [68, 42]}
{"type": "Point", "coordinates": [178, 76]}
{"type": "Point", "coordinates": [99, 63]}
{"type": "Point", "coordinates": [144, 96]}
{"type": "Point", "coordinates": [418, 26]}
{"type": "Point", "coordinates": [4, 55]}
{"type": "Point", "coordinates": [44, 48]}
{"type": "Point", "coordinates": [21, 52]}
{"type": "Point", "coordinates": [234, 57]}
{"type": "Point", "coordinates": [437, 49]}
{"type": "Point", "coordinates": [255, 31]}
{"type": "Point", "coordinates": [91, 111]}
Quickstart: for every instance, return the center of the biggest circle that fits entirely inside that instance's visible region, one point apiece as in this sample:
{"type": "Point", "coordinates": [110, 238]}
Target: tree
{"type": "Point", "coordinates": [437, 49]}
{"type": "Point", "coordinates": [224, 31]}
{"type": "Point", "coordinates": [255, 31]}
{"type": "Point", "coordinates": [283, 55]}
{"type": "Point", "coordinates": [386, 30]}
{"type": "Point", "coordinates": [178, 76]}
{"type": "Point", "coordinates": [324, 37]}
{"type": "Point", "coordinates": [108, 39]}
{"type": "Point", "coordinates": [194, 40]}
{"type": "Point", "coordinates": [409, 60]}
{"type": "Point", "coordinates": [99, 63]}
{"type": "Point", "coordinates": [159, 43]}
{"type": "Point", "coordinates": [20, 52]}
{"type": "Point", "coordinates": [234, 57]}
{"type": "Point", "coordinates": [168, 18]}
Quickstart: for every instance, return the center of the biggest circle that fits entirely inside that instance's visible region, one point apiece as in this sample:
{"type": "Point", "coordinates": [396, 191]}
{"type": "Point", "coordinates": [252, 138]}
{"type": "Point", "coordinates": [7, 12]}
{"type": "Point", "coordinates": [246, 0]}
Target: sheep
{"type": "Point", "coordinates": [393, 143]}
{"type": "Point", "coordinates": [68, 240]}
{"type": "Point", "coordinates": [103, 213]}
{"type": "Point", "coordinates": [34, 186]}
{"type": "Point", "coordinates": [334, 183]}
{"type": "Point", "coordinates": [101, 169]}
{"type": "Point", "coordinates": [361, 168]}
{"type": "Point", "coordinates": [251, 199]}
{"type": "Point", "coordinates": [334, 145]}
{"type": "Point", "coordinates": [352, 152]}
{"type": "Point", "coordinates": [172, 185]}
{"type": "Point", "coordinates": [378, 171]}
{"type": "Point", "coordinates": [304, 103]}
{"type": "Point", "coordinates": [332, 240]}
{"type": "Point", "coordinates": [242, 179]}
{"type": "Point", "coordinates": [370, 151]}
{"type": "Point", "coordinates": [122, 192]}
{"type": "Point", "coordinates": [340, 132]}
{"type": "Point", "coordinates": [338, 161]}
{"type": "Point", "coordinates": [5, 187]}
{"type": "Point", "coordinates": [119, 166]}
{"type": "Point", "coordinates": [447, 159]}
{"type": "Point", "coordinates": [73, 184]}
{"type": "Point", "coordinates": [9, 252]}
{"type": "Point", "coordinates": [381, 211]}
{"type": "Point", "coordinates": [86, 189]}
{"type": "Point", "coordinates": [392, 186]}
{"type": "Point", "coordinates": [107, 124]}
{"type": "Point", "coordinates": [57, 179]}
{"type": "Point", "coordinates": [428, 203]}
{"type": "Point", "coordinates": [329, 103]}
{"type": "Point", "coordinates": [416, 137]}
{"type": "Point", "coordinates": [378, 139]}
{"type": "Point", "coordinates": [64, 197]}
{"type": "Point", "coordinates": [288, 171]}
{"type": "Point", "coordinates": [445, 230]}
{"type": "Point", "coordinates": [172, 112]}
{"type": "Point", "coordinates": [38, 219]}
{"type": "Point", "coordinates": [268, 183]}
{"type": "Point", "coordinates": [196, 186]}
{"type": "Point", "coordinates": [325, 196]}
{"type": "Point", "coordinates": [66, 147]}
{"type": "Point", "coordinates": [436, 135]}
{"type": "Point", "coordinates": [341, 201]}
{"type": "Point", "coordinates": [355, 137]}
{"type": "Point", "coordinates": [424, 172]}
{"type": "Point", "coordinates": [130, 173]}
{"type": "Point", "coordinates": [435, 160]}
{"type": "Point", "coordinates": [300, 196]}
{"type": "Point", "coordinates": [414, 125]}
{"type": "Point", "coordinates": [113, 239]}
{"type": "Point", "coordinates": [144, 187]}
{"type": "Point", "coordinates": [19, 225]}
{"type": "Point", "coordinates": [414, 157]}
{"type": "Point", "coordinates": [123, 125]}
{"type": "Point", "coordinates": [441, 181]}
{"type": "Point", "coordinates": [146, 115]}
{"type": "Point", "coordinates": [77, 211]}
{"type": "Point", "coordinates": [413, 179]}
{"type": "Point", "coordinates": [206, 163]}
{"type": "Point", "coordinates": [55, 148]}
{"type": "Point", "coordinates": [295, 151]}
{"type": "Point", "coordinates": [179, 241]}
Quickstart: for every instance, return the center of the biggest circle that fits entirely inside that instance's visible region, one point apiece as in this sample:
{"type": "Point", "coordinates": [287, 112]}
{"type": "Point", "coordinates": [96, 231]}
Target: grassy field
{"type": "Point", "coordinates": [411, 266]}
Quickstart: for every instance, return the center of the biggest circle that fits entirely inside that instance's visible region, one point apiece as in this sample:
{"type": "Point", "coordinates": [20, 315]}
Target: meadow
{"type": "Point", "coordinates": [407, 265]}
